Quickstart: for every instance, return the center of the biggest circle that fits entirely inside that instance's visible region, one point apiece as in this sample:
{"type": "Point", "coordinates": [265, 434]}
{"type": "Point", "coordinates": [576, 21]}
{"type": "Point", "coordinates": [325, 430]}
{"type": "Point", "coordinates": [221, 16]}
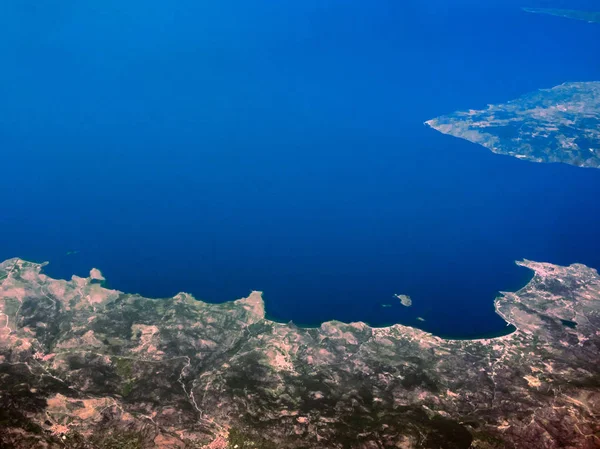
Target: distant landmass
{"type": "Point", "coordinates": [587, 16]}
{"type": "Point", "coordinates": [561, 124]}
{"type": "Point", "coordinates": [83, 366]}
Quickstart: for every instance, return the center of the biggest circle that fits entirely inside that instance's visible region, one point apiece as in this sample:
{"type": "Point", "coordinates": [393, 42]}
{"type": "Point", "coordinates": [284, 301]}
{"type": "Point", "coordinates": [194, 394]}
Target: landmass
{"type": "Point", "coordinates": [587, 16]}
{"type": "Point", "coordinates": [96, 275]}
{"type": "Point", "coordinates": [84, 366]}
{"type": "Point", "coordinates": [561, 124]}
{"type": "Point", "coordinates": [405, 300]}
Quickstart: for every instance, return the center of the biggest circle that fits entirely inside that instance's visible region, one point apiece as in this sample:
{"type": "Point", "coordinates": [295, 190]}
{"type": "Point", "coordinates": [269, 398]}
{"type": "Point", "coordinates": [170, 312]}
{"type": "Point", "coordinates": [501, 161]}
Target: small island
{"type": "Point", "coordinates": [405, 300]}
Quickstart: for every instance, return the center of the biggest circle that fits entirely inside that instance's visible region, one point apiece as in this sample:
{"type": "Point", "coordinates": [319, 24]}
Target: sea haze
{"type": "Point", "coordinates": [220, 147]}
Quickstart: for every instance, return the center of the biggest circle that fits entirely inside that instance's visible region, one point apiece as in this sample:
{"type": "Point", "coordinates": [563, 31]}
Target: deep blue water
{"type": "Point", "coordinates": [219, 147]}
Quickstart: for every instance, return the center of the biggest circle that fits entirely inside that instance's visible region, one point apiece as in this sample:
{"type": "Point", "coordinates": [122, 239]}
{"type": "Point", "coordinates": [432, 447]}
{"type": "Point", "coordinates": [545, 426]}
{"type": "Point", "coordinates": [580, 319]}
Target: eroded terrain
{"type": "Point", "coordinates": [561, 124]}
{"type": "Point", "coordinates": [82, 366]}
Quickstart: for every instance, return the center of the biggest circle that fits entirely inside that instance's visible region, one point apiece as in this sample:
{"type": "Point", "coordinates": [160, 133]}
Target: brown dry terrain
{"type": "Point", "coordinates": [82, 366]}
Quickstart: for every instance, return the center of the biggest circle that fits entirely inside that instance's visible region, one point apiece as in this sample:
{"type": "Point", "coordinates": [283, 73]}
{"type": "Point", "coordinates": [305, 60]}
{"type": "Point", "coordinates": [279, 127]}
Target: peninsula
{"type": "Point", "coordinates": [587, 16]}
{"type": "Point", "coordinates": [561, 124]}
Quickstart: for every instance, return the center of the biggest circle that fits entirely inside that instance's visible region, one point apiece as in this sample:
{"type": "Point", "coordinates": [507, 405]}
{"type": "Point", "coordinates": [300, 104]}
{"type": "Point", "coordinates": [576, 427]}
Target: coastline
{"type": "Point", "coordinates": [510, 328]}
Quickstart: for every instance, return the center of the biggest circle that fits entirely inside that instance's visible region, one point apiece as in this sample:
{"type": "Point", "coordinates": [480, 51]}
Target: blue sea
{"type": "Point", "coordinates": [222, 147]}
